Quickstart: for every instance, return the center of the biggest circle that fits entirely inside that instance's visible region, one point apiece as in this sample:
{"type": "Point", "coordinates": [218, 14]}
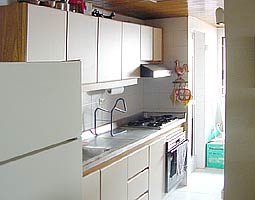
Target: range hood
{"type": "Point", "coordinates": [154, 70]}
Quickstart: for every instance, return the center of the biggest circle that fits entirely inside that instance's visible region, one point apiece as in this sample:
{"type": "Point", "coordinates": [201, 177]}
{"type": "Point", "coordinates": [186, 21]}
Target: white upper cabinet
{"type": "Point", "coordinates": [82, 44]}
{"type": "Point", "coordinates": [130, 50]}
{"type": "Point", "coordinates": [109, 50]}
{"type": "Point", "coordinates": [151, 43]}
{"type": "Point", "coordinates": [146, 42]}
{"type": "Point", "coordinates": [46, 34]}
{"type": "Point", "coordinates": [157, 44]}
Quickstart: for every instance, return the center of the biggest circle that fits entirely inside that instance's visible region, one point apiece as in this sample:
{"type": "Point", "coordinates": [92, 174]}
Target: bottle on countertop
{"type": "Point", "coordinates": [76, 6]}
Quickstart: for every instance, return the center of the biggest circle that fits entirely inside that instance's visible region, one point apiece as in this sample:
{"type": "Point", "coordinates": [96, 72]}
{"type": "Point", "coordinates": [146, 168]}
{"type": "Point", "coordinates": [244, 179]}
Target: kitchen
{"type": "Point", "coordinates": [132, 92]}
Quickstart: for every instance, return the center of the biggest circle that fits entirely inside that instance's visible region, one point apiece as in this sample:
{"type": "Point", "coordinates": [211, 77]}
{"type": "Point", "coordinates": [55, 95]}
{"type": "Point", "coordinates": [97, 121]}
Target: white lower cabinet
{"type": "Point", "coordinates": [139, 176]}
{"type": "Point", "coordinates": [156, 172]}
{"type": "Point", "coordinates": [138, 185]}
{"type": "Point", "coordinates": [144, 197]}
{"type": "Point", "coordinates": [91, 186]}
{"type": "Point", "coordinates": [138, 161]}
{"type": "Point", "coordinates": [114, 181]}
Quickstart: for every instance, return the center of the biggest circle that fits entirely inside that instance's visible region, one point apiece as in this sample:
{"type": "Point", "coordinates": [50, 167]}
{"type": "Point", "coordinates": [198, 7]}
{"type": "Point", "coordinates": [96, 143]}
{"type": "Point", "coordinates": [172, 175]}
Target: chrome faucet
{"type": "Point", "coordinates": [124, 110]}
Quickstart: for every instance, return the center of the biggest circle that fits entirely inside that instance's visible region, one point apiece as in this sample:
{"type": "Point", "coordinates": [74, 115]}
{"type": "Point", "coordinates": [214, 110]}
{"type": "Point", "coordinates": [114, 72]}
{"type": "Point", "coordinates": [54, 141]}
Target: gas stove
{"type": "Point", "coordinates": [156, 120]}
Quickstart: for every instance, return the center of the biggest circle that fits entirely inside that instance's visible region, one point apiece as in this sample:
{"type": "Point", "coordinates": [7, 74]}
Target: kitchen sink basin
{"type": "Point", "coordinates": [92, 151]}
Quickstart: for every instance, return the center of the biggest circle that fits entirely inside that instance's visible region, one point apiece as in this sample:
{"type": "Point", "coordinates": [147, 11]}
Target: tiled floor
{"type": "Point", "coordinates": [205, 184]}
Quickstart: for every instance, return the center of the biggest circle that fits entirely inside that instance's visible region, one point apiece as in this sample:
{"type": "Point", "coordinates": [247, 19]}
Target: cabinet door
{"type": "Point", "coordinates": [91, 186]}
{"type": "Point", "coordinates": [156, 173]}
{"type": "Point", "coordinates": [109, 50]}
{"type": "Point", "coordinates": [144, 197]}
{"type": "Point", "coordinates": [138, 161]}
{"type": "Point", "coordinates": [114, 181]}
{"type": "Point", "coordinates": [130, 50]}
{"type": "Point", "coordinates": [138, 185]}
{"type": "Point", "coordinates": [146, 42]}
{"type": "Point", "coordinates": [82, 44]}
{"type": "Point", "coordinates": [46, 34]}
{"type": "Point", "coordinates": [157, 44]}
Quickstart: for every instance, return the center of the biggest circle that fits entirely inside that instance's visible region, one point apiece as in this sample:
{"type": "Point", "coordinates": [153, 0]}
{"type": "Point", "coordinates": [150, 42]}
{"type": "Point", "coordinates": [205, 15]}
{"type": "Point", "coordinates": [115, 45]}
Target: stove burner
{"type": "Point", "coordinates": [155, 124]}
{"type": "Point", "coordinates": [153, 121]}
{"type": "Point", "coordinates": [140, 122]}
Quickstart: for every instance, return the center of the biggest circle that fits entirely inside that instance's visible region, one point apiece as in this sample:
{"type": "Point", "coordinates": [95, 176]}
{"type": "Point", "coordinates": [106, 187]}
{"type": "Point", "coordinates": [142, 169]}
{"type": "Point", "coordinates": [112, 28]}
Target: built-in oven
{"type": "Point", "coordinates": [176, 160]}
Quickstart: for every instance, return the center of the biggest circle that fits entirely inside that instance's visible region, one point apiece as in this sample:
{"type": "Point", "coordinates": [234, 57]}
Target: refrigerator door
{"type": "Point", "coordinates": [54, 174]}
{"type": "Point", "coordinates": [40, 105]}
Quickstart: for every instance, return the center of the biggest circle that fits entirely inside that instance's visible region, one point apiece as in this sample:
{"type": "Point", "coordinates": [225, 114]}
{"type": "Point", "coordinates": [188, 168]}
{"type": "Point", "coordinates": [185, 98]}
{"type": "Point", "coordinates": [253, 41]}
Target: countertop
{"type": "Point", "coordinates": [121, 144]}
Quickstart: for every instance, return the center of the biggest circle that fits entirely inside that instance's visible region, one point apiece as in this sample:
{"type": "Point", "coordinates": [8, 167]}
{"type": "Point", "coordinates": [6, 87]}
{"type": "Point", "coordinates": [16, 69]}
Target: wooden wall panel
{"type": "Point", "coordinates": [13, 31]}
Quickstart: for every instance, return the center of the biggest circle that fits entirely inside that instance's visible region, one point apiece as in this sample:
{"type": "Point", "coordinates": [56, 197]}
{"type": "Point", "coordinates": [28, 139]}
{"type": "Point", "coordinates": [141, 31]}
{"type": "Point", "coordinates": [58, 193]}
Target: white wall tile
{"type": "Point", "coordinates": [87, 116]}
{"type": "Point", "coordinates": [86, 99]}
{"type": "Point", "coordinates": [164, 100]}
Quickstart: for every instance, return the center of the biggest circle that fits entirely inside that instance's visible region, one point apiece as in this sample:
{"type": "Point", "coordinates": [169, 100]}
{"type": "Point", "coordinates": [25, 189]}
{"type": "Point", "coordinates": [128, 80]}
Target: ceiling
{"type": "Point", "coordinates": [147, 9]}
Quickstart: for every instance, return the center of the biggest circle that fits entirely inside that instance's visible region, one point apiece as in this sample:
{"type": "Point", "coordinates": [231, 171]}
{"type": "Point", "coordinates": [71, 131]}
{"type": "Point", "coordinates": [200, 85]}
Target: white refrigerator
{"type": "Point", "coordinates": [40, 127]}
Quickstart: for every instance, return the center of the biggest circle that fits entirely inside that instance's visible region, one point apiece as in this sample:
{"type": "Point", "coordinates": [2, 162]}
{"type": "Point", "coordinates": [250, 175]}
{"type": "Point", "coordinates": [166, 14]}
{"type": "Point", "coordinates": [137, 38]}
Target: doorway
{"type": "Point", "coordinates": [208, 107]}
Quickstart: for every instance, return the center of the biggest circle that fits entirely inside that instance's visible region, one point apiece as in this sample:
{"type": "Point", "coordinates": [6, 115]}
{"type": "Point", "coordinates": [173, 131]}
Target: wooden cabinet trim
{"type": "Point", "coordinates": [13, 32]}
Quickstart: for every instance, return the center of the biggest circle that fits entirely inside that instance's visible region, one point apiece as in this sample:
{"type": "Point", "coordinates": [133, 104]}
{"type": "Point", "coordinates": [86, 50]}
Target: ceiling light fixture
{"type": "Point", "coordinates": [219, 16]}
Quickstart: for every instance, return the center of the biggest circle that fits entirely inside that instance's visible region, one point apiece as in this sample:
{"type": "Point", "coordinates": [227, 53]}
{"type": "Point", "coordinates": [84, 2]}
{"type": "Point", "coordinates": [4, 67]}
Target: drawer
{"type": "Point", "coordinates": [144, 197]}
{"type": "Point", "coordinates": [138, 161]}
{"type": "Point", "coordinates": [138, 185]}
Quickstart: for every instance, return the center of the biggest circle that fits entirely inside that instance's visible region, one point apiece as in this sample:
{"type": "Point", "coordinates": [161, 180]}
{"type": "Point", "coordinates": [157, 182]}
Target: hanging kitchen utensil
{"type": "Point", "coordinates": [180, 92]}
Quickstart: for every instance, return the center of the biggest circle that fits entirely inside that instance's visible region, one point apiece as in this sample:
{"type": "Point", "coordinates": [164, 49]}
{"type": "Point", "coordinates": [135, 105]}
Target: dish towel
{"type": "Point", "coordinates": [181, 157]}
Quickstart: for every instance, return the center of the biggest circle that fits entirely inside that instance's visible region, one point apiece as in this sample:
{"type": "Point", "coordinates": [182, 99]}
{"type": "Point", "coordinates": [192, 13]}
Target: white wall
{"type": "Point", "coordinates": [220, 117]}
{"type": "Point", "coordinates": [157, 92]}
{"type": "Point", "coordinates": [240, 102]}
{"type": "Point", "coordinates": [209, 85]}
{"type": "Point", "coordinates": [211, 69]}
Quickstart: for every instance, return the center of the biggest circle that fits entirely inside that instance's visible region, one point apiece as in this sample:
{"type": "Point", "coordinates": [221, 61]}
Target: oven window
{"type": "Point", "coordinates": [173, 168]}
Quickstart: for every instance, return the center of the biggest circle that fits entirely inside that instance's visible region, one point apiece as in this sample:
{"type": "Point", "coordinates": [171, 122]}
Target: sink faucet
{"type": "Point", "coordinates": [124, 110]}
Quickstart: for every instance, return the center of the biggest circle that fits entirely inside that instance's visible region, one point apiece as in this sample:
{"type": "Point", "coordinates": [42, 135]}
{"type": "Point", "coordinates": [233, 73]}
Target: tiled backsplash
{"type": "Point", "coordinates": [133, 96]}
{"type": "Point", "coordinates": [148, 95]}
{"type": "Point", "coordinates": [157, 95]}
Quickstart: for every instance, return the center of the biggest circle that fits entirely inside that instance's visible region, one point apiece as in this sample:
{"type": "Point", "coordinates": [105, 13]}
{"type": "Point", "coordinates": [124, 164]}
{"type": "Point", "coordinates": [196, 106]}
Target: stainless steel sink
{"type": "Point", "coordinates": [93, 151]}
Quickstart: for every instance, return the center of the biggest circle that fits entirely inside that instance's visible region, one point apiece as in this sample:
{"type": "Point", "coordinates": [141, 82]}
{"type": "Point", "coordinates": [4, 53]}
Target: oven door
{"type": "Point", "coordinates": [176, 164]}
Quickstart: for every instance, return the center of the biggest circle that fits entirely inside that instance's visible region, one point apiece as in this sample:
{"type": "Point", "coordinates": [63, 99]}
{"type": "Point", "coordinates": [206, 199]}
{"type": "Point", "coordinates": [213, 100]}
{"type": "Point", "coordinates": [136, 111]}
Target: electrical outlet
{"type": "Point", "coordinates": [101, 101]}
